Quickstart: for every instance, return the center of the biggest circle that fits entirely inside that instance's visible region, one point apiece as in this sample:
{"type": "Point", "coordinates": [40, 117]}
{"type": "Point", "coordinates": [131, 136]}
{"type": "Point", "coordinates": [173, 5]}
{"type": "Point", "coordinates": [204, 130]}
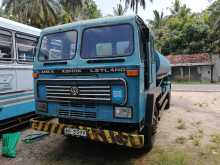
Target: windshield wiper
{"type": "Point", "coordinates": [56, 63]}
{"type": "Point", "coordinates": [106, 60]}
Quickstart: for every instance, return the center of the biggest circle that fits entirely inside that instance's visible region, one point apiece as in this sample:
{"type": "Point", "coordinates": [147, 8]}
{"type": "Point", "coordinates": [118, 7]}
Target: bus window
{"type": "Point", "coordinates": [25, 48]}
{"type": "Point", "coordinates": [5, 46]}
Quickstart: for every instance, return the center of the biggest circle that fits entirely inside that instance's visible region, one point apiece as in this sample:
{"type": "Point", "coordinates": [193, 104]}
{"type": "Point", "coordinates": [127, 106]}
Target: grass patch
{"type": "Point", "coordinates": [180, 140]}
{"type": "Point", "coordinates": [215, 138]}
{"type": "Point", "coordinates": [180, 124]}
{"type": "Point", "coordinates": [196, 138]}
{"type": "Point", "coordinates": [201, 104]}
{"type": "Point", "coordinates": [209, 154]}
{"type": "Point", "coordinates": [196, 142]}
{"type": "Point", "coordinates": [173, 158]}
{"type": "Point", "coordinates": [206, 155]}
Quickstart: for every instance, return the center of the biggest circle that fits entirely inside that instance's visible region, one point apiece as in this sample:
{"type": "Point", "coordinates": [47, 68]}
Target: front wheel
{"type": "Point", "coordinates": [150, 131]}
{"type": "Point", "coordinates": [148, 138]}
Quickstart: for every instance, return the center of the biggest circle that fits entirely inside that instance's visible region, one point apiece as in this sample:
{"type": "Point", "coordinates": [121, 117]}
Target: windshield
{"type": "Point", "coordinates": [58, 46]}
{"type": "Point", "coordinates": [109, 41]}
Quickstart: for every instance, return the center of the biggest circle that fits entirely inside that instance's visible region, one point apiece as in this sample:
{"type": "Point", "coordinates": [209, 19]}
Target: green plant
{"type": "Point", "coordinates": [180, 140]}
{"type": "Point", "coordinates": [180, 124]}
{"type": "Point", "coordinates": [173, 158]}
{"type": "Point", "coordinates": [215, 138]}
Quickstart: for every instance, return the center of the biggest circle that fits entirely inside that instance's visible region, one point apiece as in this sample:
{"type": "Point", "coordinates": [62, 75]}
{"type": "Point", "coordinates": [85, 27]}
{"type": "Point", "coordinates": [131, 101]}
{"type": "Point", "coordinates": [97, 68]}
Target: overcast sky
{"type": "Point", "coordinates": [106, 6]}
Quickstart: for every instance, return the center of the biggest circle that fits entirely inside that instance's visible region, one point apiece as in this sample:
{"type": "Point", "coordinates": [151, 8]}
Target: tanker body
{"type": "Point", "coordinates": [103, 80]}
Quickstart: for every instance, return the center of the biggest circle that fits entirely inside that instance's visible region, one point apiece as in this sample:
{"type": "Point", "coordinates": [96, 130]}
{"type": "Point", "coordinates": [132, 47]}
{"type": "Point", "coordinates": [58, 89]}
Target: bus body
{"type": "Point", "coordinates": [17, 46]}
{"type": "Point", "coordinates": [102, 79]}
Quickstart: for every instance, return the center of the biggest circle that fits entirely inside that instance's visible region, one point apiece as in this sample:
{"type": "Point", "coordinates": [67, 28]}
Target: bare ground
{"type": "Point", "coordinates": [188, 133]}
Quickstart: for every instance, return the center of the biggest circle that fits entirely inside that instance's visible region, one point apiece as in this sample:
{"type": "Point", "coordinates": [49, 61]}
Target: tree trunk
{"type": "Point", "coordinates": [136, 10]}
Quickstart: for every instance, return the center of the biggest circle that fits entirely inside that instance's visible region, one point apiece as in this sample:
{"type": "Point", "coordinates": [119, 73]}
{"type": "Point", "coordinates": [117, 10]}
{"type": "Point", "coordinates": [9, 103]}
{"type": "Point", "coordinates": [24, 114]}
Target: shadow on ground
{"type": "Point", "coordinates": [80, 151]}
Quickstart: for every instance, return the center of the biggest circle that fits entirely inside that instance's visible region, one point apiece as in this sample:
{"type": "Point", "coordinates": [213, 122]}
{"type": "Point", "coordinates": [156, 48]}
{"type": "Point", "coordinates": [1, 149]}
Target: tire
{"type": "Point", "coordinates": [148, 138]}
{"type": "Point", "coordinates": [150, 131]}
{"type": "Point", "coordinates": [169, 100]}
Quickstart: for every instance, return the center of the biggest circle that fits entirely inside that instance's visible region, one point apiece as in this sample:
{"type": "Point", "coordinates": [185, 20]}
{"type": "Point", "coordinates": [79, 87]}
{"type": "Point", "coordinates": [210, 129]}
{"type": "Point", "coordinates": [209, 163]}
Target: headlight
{"type": "Point", "coordinates": [123, 112]}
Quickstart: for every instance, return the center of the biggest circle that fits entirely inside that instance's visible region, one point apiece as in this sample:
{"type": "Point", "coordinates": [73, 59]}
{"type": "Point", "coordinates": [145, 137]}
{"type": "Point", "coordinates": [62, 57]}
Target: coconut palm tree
{"type": "Point", "coordinates": [214, 11]}
{"type": "Point", "coordinates": [38, 13]}
{"type": "Point", "coordinates": [70, 8]}
{"type": "Point", "coordinates": [176, 5]}
{"type": "Point", "coordinates": [10, 6]}
{"type": "Point", "coordinates": [120, 10]}
{"type": "Point", "coordinates": [158, 18]}
{"type": "Point", "coordinates": [135, 3]}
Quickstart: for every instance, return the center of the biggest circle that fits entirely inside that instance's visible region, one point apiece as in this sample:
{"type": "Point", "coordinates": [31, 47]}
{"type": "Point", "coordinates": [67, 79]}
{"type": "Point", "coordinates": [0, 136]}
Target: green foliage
{"type": "Point", "coordinates": [38, 13]}
{"type": "Point", "coordinates": [158, 20]}
{"type": "Point", "coordinates": [173, 158]}
{"type": "Point", "coordinates": [120, 10]}
{"type": "Point", "coordinates": [135, 3]}
{"type": "Point", "coordinates": [90, 10]}
{"type": "Point", "coordinates": [44, 13]}
{"type": "Point", "coordinates": [184, 32]}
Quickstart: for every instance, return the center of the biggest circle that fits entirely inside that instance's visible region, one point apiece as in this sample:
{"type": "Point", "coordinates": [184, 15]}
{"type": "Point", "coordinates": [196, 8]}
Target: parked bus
{"type": "Point", "coordinates": [17, 47]}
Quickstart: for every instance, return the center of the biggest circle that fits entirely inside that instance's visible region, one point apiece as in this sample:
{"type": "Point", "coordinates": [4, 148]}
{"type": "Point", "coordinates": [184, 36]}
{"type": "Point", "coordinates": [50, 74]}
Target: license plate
{"type": "Point", "coordinates": [75, 132]}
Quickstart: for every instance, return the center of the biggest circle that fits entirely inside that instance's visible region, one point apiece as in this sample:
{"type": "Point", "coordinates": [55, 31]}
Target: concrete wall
{"type": "Point", "coordinates": [191, 73]}
{"type": "Point", "coordinates": [205, 72]}
{"type": "Point", "coordinates": [216, 68]}
{"type": "Point", "coordinates": [198, 73]}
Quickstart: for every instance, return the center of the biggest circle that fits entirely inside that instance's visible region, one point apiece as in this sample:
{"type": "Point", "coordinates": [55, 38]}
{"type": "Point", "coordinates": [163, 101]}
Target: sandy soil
{"type": "Point", "coordinates": [191, 124]}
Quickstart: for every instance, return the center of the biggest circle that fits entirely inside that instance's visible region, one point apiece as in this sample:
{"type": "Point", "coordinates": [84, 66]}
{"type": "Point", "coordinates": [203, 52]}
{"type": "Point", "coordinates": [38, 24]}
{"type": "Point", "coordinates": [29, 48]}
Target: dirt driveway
{"type": "Point", "coordinates": [189, 133]}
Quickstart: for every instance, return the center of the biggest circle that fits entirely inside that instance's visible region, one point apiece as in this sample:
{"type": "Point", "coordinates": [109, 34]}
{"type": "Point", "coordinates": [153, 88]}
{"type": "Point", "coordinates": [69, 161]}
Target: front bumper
{"type": "Point", "coordinates": [96, 134]}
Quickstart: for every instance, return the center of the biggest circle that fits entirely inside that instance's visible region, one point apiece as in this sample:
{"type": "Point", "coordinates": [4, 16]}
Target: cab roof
{"type": "Point", "coordinates": [19, 27]}
{"type": "Point", "coordinates": [90, 23]}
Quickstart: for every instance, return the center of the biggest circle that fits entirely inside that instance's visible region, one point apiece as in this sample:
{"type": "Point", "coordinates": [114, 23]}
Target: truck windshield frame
{"type": "Point", "coordinates": [105, 44]}
{"type": "Point", "coordinates": [73, 39]}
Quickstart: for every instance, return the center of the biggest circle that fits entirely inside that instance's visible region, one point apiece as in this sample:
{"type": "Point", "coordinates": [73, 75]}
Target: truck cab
{"type": "Point", "coordinates": [103, 74]}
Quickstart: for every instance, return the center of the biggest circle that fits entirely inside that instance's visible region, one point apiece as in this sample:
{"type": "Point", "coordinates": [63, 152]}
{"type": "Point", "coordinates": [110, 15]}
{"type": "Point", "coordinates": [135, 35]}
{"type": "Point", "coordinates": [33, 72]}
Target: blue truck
{"type": "Point", "coordinates": [103, 80]}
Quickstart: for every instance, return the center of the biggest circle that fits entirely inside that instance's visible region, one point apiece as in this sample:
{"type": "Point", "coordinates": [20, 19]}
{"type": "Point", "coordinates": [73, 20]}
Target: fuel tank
{"type": "Point", "coordinates": [163, 67]}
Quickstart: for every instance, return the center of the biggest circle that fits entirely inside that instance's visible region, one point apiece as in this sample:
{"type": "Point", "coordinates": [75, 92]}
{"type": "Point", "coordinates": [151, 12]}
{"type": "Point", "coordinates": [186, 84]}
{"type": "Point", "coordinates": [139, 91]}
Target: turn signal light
{"type": "Point", "coordinates": [132, 73]}
{"type": "Point", "coordinates": [35, 75]}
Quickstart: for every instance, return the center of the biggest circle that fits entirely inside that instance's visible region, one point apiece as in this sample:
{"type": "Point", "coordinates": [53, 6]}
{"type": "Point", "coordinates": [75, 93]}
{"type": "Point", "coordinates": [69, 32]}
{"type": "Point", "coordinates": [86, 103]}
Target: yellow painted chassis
{"type": "Point", "coordinates": [102, 135]}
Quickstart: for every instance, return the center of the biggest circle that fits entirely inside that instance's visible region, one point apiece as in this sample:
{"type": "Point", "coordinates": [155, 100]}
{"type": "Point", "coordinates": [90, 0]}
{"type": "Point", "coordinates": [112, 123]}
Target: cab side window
{"type": "Point", "coordinates": [6, 54]}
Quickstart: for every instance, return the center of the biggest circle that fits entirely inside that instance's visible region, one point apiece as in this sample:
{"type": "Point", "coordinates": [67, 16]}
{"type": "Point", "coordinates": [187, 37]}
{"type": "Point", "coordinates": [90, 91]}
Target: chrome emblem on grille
{"type": "Point", "coordinates": [74, 91]}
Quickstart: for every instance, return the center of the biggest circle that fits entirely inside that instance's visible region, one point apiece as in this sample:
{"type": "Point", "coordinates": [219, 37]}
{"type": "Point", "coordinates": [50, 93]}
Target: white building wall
{"type": "Point", "coordinates": [216, 68]}
{"type": "Point", "coordinates": [205, 73]}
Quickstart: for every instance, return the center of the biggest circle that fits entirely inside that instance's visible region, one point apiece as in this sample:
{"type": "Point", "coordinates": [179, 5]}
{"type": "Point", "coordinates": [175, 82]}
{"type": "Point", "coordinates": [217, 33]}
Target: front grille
{"type": "Point", "coordinates": [86, 93]}
{"type": "Point", "coordinates": [74, 113]}
{"type": "Point", "coordinates": [80, 90]}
